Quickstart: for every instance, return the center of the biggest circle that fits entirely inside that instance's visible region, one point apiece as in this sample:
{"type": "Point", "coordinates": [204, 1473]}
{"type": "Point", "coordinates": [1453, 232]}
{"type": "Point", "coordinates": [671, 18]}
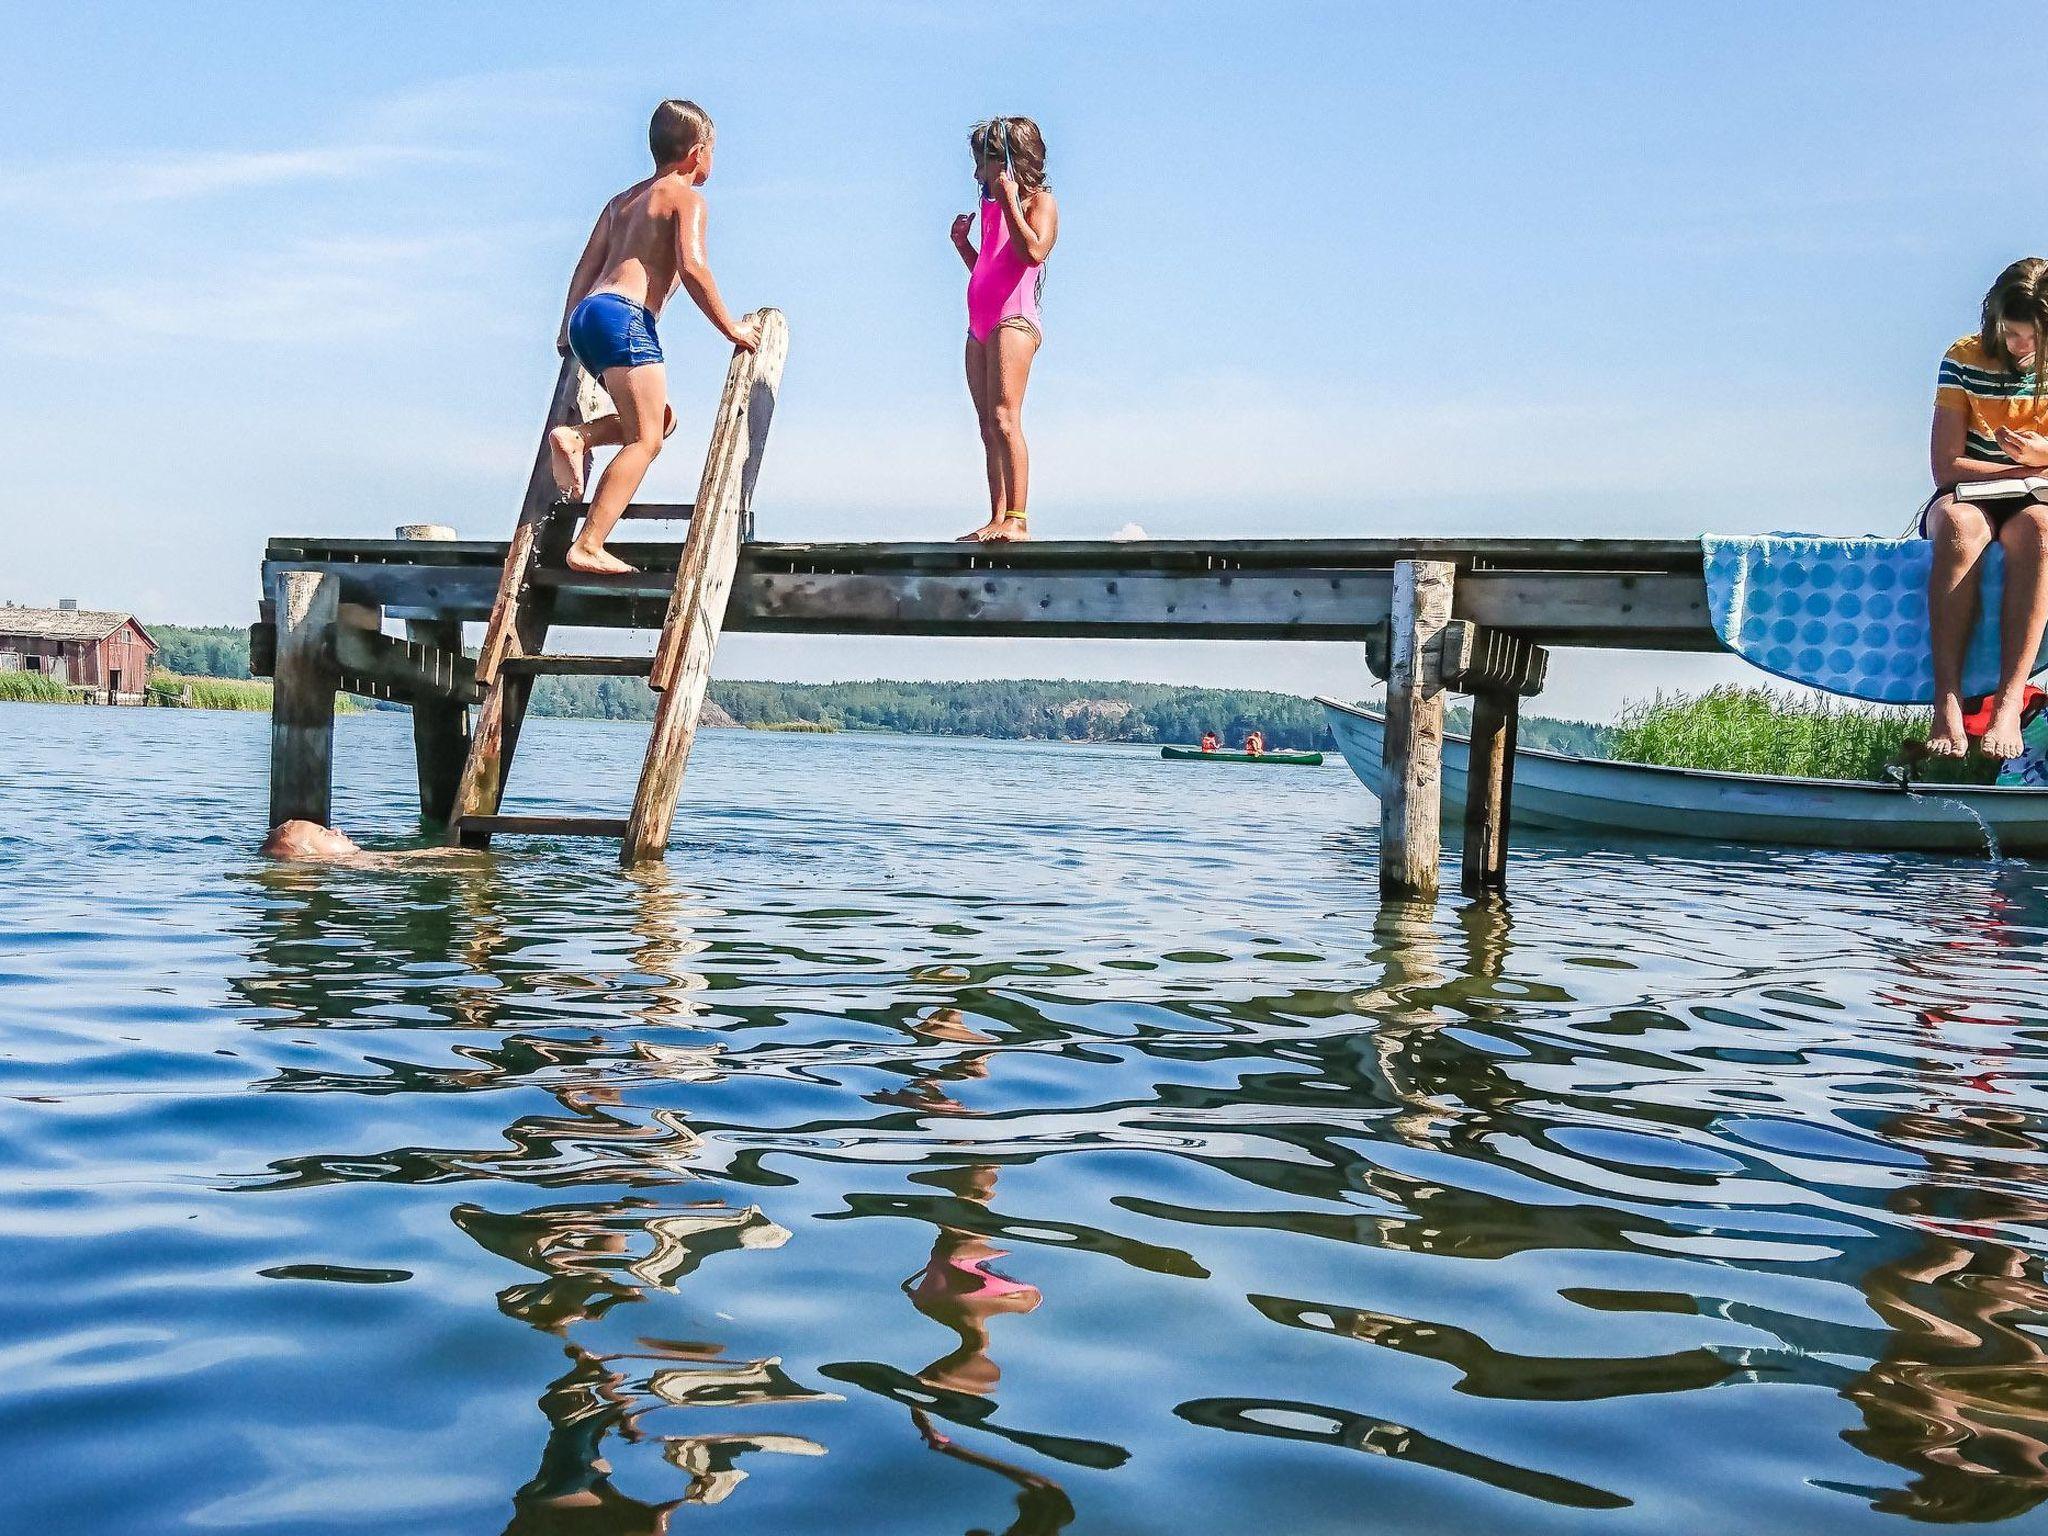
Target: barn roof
{"type": "Point", "coordinates": [64, 623]}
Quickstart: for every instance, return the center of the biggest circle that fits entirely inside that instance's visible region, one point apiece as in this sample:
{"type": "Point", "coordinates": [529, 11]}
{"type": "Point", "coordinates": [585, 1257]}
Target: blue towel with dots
{"type": "Point", "coordinates": [1848, 616]}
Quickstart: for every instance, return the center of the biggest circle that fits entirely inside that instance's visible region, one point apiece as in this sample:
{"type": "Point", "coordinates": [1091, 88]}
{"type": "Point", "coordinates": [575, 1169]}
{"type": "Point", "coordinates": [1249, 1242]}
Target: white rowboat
{"type": "Point", "coordinates": [1593, 795]}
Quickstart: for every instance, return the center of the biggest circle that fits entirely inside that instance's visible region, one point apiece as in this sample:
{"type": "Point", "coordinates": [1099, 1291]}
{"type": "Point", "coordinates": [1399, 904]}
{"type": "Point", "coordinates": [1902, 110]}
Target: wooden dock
{"type": "Point", "coordinates": [1432, 615]}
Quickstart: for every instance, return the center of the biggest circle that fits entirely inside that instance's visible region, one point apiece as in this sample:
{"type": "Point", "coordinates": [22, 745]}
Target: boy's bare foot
{"type": "Point", "coordinates": [980, 535]}
{"type": "Point", "coordinates": [565, 458]}
{"type": "Point", "coordinates": [2002, 740]}
{"type": "Point", "coordinates": [1948, 738]}
{"type": "Point", "coordinates": [1010, 530]}
{"type": "Point", "coordinates": [597, 562]}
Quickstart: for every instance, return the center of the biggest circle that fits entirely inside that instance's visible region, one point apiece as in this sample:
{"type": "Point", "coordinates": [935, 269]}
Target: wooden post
{"type": "Point", "coordinates": [440, 727]}
{"type": "Point", "coordinates": [518, 624]}
{"type": "Point", "coordinates": [1489, 791]}
{"type": "Point", "coordinates": [1411, 810]}
{"type": "Point", "coordinates": [696, 609]}
{"type": "Point", "coordinates": [308, 606]}
{"type": "Point", "coordinates": [1498, 670]}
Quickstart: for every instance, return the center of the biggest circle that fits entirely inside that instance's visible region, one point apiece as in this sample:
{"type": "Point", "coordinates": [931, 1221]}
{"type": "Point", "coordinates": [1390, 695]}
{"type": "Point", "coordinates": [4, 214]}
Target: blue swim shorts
{"type": "Point", "coordinates": [608, 330]}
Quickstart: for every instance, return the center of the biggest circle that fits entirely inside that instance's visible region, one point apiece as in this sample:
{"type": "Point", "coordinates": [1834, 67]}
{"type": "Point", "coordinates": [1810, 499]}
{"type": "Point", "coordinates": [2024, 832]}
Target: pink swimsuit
{"type": "Point", "coordinates": [1003, 288]}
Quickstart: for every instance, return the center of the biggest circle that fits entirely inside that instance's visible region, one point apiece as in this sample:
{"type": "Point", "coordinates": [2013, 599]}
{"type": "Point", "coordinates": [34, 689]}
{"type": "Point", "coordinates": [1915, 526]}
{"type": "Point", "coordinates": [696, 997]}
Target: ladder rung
{"type": "Point", "coordinates": [632, 584]}
{"type": "Point", "coordinates": [545, 826]}
{"type": "Point", "coordinates": [637, 512]}
{"type": "Point", "coordinates": [579, 666]}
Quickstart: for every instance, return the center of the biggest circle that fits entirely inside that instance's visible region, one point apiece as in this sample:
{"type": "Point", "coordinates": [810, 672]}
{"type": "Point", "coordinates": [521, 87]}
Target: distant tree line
{"type": "Point", "coordinates": [1009, 709]}
{"type": "Point", "coordinates": [219, 651]}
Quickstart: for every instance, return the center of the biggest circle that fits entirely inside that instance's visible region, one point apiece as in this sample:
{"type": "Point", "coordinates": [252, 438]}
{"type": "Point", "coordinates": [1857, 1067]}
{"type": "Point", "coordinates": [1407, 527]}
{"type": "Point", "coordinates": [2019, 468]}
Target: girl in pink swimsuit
{"type": "Point", "coordinates": [1019, 223]}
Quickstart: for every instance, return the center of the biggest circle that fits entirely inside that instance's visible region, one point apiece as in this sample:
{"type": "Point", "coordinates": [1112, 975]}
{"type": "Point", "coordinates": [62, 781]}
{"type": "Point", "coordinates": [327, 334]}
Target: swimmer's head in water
{"type": "Point", "coordinates": [307, 840]}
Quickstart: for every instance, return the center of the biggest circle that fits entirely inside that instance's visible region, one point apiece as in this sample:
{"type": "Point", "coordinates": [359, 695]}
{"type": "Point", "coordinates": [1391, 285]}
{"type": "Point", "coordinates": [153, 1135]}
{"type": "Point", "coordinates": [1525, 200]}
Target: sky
{"type": "Point", "coordinates": [1324, 269]}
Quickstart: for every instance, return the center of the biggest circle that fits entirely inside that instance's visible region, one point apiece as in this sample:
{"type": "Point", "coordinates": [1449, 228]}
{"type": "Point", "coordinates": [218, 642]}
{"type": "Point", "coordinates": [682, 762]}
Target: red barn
{"type": "Point", "coordinates": [107, 653]}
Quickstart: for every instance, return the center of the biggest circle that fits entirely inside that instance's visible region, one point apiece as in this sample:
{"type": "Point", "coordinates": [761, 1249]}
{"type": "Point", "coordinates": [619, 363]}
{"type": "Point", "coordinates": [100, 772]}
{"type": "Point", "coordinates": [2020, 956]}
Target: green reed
{"type": "Point", "coordinates": [35, 688]}
{"type": "Point", "coordinates": [1763, 730]}
{"type": "Point", "coordinates": [174, 691]}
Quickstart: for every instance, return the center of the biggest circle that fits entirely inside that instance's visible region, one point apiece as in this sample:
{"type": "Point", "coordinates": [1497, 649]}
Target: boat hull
{"type": "Point", "coordinates": [1595, 796]}
{"type": "Point", "coordinates": [1264, 759]}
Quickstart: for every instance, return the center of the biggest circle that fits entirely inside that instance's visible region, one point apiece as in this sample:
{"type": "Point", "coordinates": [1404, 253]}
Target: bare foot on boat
{"type": "Point", "coordinates": [565, 458]}
{"type": "Point", "coordinates": [980, 535]}
{"type": "Point", "coordinates": [1010, 530]}
{"type": "Point", "coordinates": [1948, 738]}
{"type": "Point", "coordinates": [597, 562]}
{"type": "Point", "coordinates": [2002, 740]}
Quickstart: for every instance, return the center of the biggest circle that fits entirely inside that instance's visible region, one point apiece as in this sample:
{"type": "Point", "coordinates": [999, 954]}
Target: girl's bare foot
{"type": "Point", "coordinates": [2003, 739]}
{"type": "Point", "coordinates": [597, 562]}
{"type": "Point", "coordinates": [980, 535]}
{"type": "Point", "coordinates": [1948, 738]}
{"type": "Point", "coordinates": [1008, 530]}
{"type": "Point", "coordinates": [565, 458]}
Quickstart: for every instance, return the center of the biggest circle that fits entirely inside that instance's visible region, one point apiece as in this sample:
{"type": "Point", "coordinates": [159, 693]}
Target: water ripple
{"type": "Point", "coordinates": [961, 1135]}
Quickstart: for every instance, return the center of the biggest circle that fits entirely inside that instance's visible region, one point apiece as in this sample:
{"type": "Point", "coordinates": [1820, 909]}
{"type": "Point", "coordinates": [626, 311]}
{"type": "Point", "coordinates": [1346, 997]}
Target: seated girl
{"type": "Point", "coordinates": [1990, 423]}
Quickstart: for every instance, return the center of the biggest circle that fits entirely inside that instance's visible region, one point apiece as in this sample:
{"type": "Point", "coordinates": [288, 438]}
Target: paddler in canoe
{"type": "Point", "coordinates": [1255, 743]}
{"type": "Point", "coordinates": [1210, 741]}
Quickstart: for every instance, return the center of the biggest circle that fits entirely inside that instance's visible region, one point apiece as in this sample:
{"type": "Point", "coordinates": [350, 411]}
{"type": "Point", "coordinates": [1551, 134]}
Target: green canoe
{"type": "Point", "coordinates": [1284, 759]}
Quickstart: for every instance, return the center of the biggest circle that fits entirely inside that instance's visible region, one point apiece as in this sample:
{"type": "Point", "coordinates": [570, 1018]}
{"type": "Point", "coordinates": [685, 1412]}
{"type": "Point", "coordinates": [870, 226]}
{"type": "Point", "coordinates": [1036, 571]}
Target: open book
{"type": "Point", "coordinates": [2032, 488]}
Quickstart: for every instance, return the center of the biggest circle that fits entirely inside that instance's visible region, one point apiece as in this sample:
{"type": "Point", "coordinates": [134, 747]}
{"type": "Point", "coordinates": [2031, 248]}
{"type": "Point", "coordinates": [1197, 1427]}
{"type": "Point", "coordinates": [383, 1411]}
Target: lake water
{"type": "Point", "coordinates": [965, 1136]}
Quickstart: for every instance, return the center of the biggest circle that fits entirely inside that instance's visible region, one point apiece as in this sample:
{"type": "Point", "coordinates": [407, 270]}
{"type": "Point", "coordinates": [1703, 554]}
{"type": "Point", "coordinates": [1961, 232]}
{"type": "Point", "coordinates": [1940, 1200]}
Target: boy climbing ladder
{"type": "Point", "coordinates": [648, 241]}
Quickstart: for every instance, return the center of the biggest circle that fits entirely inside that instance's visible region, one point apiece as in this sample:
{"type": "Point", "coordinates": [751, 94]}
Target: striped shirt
{"type": "Point", "coordinates": [1989, 396]}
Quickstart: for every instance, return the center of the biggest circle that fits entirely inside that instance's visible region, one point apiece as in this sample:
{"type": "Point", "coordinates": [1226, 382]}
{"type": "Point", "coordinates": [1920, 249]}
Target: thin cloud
{"type": "Point", "coordinates": [434, 124]}
{"type": "Point", "coordinates": [184, 176]}
{"type": "Point", "coordinates": [317, 291]}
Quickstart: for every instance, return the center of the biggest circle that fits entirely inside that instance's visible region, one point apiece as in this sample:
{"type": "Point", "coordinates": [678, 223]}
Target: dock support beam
{"type": "Point", "coordinates": [308, 607]}
{"type": "Point", "coordinates": [1489, 792]}
{"type": "Point", "coordinates": [1411, 805]}
{"type": "Point", "coordinates": [1498, 670]}
{"type": "Point", "coordinates": [440, 727]}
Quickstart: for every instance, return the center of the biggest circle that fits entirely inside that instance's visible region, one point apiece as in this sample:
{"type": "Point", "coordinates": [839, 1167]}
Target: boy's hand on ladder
{"type": "Point", "coordinates": [746, 333]}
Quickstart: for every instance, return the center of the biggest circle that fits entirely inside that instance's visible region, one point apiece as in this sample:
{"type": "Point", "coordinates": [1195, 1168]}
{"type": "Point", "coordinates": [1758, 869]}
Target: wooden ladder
{"type": "Point", "coordinates": [679, 671]}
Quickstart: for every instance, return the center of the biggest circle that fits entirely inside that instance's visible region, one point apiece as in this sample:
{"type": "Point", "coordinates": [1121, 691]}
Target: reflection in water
{"type": "Point", "coordinates": [958, 1289]}
{"type": "Point", "coordinates": [1959, 1394]}
{"type": "Point", "coordinates": [1229, 1199]}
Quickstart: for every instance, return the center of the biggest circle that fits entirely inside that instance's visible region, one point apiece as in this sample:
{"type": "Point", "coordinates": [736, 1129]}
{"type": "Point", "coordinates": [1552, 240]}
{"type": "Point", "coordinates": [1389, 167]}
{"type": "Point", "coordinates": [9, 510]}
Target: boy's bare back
{"type": "Point", "coordinates": [640, 236]}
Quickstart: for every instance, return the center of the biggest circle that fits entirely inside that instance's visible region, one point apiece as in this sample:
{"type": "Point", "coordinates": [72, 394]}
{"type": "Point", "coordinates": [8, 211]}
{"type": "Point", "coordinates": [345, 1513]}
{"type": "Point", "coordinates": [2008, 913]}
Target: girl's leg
{"type": "Point", "coordinates": [641, 393]}
{"type": "Point", "coordinates": [1012, 347]}
{"type": "Point", "coordinates": [1961, 534]}
{"type": "Point", "coordinates": [978, 364]}
{"type": "Point", "coordinates": [2025, 541]}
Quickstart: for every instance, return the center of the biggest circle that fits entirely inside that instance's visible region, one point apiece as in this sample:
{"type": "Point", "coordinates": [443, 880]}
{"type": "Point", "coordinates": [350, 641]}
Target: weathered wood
{"type": "Point", "coordinates": [1410, 809]}
{"type": "Point", "coordinates": [704, 575]}
{"type": "Point", "coordinates": [263, 638]}
{"type": "Point", "coordinates": [1475, 660]}
{"type": "Point", "coordinates": [1379, 647]}
{"type": "Point", "coordinates": [1489, 791]}
{"type": "Point", "coordinates": [536, 517]}
{"type": "Point", "coordinates": [1642, 611]}
{"type": "Point", "coordinates": [440, 722]}
{"type": "Point", "coordinates": [1220, 556]}
{"type": "Point", "coordinates": [551, 826]}
{"type": "Point", "coordinates": [306, 674]}
{"type": "Point", "coordinates": [517, 626]}
{"type": "Point", "coordinates": [580, 666]}
{"type": "Point", "coordinates": [407, 670]}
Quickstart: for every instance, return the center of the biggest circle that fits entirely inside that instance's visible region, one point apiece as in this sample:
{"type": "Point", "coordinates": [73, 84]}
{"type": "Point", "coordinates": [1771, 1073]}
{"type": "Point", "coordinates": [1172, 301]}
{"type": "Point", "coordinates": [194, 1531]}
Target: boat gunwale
{"type": "Point", "coordinates": [1719, 776]}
